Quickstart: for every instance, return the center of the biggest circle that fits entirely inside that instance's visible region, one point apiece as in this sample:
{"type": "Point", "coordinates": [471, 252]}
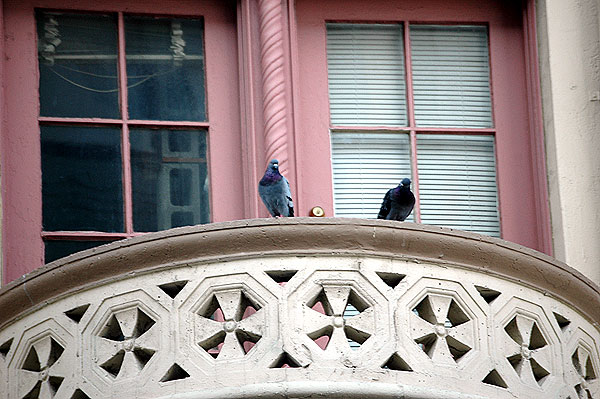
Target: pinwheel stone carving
{"type": "Point", "coordinates": [42, 372]}
{"type": "Point", "coordinates": [442, 329]}
{"type": "Point", "coordinates": [126, 343]}
{"type": "Point", "coordinates": [328, 315]}
{"type": "Point", "coordinates": [229, 324]}
{"type": "Point", "coordinates": [528, 351]}
{"type": "Point", "coordinates": [583, 363]}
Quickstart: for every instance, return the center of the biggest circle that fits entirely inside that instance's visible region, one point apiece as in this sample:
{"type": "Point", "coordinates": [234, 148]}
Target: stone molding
{"type": "Point", "coordinates": [272, 237]}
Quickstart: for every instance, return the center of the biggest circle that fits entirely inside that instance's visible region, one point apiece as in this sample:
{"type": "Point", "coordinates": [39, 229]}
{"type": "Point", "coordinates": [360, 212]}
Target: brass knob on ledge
{"type": "Point", "coordinates": [317, 211]}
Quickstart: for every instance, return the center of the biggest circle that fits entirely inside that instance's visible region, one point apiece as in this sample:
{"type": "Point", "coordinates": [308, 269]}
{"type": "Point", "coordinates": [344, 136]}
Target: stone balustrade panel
{"type": "Point", "coordinates": [291, 319]}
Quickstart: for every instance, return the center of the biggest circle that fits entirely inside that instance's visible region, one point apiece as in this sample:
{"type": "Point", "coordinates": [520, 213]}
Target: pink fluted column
{"type": "Point", "coordinates": [272, 57]}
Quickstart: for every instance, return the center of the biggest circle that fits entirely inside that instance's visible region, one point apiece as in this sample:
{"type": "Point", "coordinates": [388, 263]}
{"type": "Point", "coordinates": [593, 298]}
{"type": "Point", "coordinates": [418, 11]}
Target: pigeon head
{"type": "Point", "coordinates": [274, 164]}
{"type": "Point", "coordinates": [405, 182]}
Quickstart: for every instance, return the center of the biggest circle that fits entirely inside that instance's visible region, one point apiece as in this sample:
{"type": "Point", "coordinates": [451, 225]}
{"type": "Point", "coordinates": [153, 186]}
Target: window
{"type": "Point", "coordinates": [113, 127]}
{"type": "Point", "coordinates": [414, 89]}
{"type": "Point", "coordinates": [433, 101]}
{"type": "Point", "coordinates": [140, 164]}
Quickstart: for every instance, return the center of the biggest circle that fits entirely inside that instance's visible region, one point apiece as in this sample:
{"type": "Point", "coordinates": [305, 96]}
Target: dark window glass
{"type": "Point", "coordinates": [59, 249]}
{"type": "Point", "coordinates": [78, 65]}
{"type": "Point", "coordinates": [81, 179]}
{"type": "Point", "coordinates": [180, 183]}
{"type": "Point", "coordinates": [170, 185]}
{"type": "Point", "coordinates": [165, 68]}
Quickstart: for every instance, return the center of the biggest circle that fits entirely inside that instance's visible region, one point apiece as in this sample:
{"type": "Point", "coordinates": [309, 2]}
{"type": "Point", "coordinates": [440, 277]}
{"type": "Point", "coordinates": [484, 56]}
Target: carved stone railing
{"type": "Point", "coordinates": [289, 308]}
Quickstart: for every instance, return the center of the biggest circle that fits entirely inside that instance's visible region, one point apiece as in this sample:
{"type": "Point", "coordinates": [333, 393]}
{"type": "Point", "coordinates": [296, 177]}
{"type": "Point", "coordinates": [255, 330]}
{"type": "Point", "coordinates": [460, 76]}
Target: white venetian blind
{"type": "Point", "coordinates": [366, 75]}
{"type": "Point", "coordinates": [457, 182]}
{"type": "Point", "coordinates": [365, 166]}
{"type": "Point", "coordinates": [450, 66]}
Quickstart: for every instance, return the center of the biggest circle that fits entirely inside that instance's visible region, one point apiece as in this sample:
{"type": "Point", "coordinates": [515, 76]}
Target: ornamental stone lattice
{"type": "Point", "coordinates": [340, 308]}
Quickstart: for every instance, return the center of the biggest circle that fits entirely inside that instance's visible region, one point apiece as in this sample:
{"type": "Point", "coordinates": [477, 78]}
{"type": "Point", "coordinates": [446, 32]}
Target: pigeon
{"type": "Point", "coordinates": [398, 202]}
{"type": "Point", "coordinates": [274, 190]}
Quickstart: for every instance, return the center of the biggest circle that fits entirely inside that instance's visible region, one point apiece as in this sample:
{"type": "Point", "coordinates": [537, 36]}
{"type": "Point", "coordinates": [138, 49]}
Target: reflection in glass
{"type": "Point", "coordinates": [78, 65]}
{"type": "Point", "coordinates": [58, 249]}
{"type": "Point", "coordinates": [165, 68]}
{"type": "Point", "coordinates": [169, 178]}
{"type": "Point", "coordinates": [81, 179]}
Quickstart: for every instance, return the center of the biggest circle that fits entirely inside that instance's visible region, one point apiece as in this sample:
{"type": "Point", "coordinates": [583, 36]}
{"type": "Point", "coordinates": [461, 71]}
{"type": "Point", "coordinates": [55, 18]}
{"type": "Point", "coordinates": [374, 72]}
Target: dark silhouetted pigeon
{"type": "Point", "coordinates": [274, 190]}
{"type": "Point", "coordinates": [398, 202]}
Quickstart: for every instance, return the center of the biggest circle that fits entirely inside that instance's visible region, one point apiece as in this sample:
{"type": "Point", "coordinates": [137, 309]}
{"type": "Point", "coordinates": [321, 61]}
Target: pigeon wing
{"type": "Point", "coordinates": [267, 196]}
{"type": "Point", "coordinates": [288, 198]}
{"type": "Point", "coordinates": [385, 205]}
{"type": "Point", "coordinates": [406, 206]}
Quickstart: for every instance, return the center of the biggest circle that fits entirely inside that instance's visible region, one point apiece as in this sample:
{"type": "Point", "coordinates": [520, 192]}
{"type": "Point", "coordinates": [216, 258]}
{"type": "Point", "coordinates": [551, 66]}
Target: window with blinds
{"type": "Point", "coordinates": [365, 166]}
{"type": "Point", "coordinates": [366, 75]}
{"type": "Point", "coordinates": [450, 69]}
{"type": "Point", "coordinates": [457, 182]}
{"type": "Point", "coordinates": [440, 133]}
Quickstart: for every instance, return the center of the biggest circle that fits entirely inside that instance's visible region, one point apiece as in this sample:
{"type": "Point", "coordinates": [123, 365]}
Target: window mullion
{"type": "Point", "coordinates": [415, 175]}
{"type": "Point", "coordinates": [410, 107]}
{"type": "Point", "coordinates": [410, 99]}
{"type": "Point", "coordinates": [126, 154]}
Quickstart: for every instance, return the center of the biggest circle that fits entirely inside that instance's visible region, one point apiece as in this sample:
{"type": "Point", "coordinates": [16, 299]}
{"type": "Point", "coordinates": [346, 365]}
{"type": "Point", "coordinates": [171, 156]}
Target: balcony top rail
{"type": "Point", "coordinates": [303, 236]}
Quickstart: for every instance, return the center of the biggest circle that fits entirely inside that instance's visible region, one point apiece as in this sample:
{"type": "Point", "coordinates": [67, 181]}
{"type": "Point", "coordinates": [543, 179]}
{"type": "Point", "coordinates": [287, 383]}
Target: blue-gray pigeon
{"type": "Point", "coordinates": [274, 190]}
{"type": "Point", "coordinates": [398, 202]}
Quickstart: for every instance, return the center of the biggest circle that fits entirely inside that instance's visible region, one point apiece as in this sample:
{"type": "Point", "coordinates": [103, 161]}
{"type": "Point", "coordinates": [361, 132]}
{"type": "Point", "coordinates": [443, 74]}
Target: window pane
{"type": "Point", "coordinates": [81, 179]}
{"type": "Point", "coordinates": [59, 249]}
{"type": "Point", "coordinates": [365, 166]}
{"type": "Point", "coordinates": [451, 76]}
{"type": "Point", "coordinates": [366, 75]}
{"type": "Point", "coordinates": [78, 65]}
{"type": "Point", "coordinates": [457, 182]}
{"type": "Point", "coordinates": [165, 68]}
{"type": "Point", "coordinates": [170, 183]}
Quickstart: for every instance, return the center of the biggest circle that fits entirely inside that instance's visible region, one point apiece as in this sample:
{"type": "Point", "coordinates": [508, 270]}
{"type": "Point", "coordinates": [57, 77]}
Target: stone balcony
{"type": "Point", "coordinates": [302, 308]}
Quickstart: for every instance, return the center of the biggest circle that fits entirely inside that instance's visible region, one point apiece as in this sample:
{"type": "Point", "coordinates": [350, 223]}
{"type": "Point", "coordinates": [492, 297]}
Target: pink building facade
{"type": "Point", "coordinates": [267, 97]}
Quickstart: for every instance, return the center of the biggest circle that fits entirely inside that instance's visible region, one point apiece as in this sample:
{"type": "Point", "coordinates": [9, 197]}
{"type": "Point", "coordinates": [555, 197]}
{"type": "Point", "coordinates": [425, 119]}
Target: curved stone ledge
{"type": "Point", "coordinates": [271, 237]}
{"type": "Point", "coordinates": [303, 307]}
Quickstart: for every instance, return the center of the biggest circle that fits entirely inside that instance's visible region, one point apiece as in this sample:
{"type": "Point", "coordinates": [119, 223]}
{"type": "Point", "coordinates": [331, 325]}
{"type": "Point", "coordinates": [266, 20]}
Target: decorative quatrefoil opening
{"type": "Point", "coordinates": [391, 279]}
{"type": "Point", "coordinates": [395, 362]}
{"type": "Point", "coordinates": [582, 392]}
{"type": "Point", "coordinates": [174, 288]}
{"type": "Point", "coordinates": [229, 325]}
{"type": "Point", "coordinates": [127, 342]}
{"type": "Point", "coordinates": [5, 347]}
{"type": "Point", "coordinates": [494, 378]}
{"type": "Point", "coordinates": [175, 372]}
{"type": "Point", "coordinates": [582, 361]}
{"type": "Point", "coordinates": [529, 352]}
{"type": "Point", "coordinates": [281, 277]}
{"type": "Point", "coordinates": [488, 294]}
{"type": "Point", "coordinates": [77, 313]}
{"type": "Point", "coordinates": [79, 394]}
{"type": "Point", "coordinates": [40, 373]}
{"type": "Point", "coordinates": [442, 329]}
{"type": "Point", "coordinates": [339, 318]}
{"type": "Point", "coordinates": [285, 361]}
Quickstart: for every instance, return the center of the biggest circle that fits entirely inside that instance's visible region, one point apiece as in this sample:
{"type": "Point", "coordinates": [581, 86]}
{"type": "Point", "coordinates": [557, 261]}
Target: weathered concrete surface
{"type": "Point", "coordinates": [569, 44]}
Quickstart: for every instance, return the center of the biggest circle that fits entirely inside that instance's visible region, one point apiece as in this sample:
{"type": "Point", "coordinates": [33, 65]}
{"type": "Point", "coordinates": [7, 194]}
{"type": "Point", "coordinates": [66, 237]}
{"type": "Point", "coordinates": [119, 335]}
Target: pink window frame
{"type": "Point", "coordinates": [22, 235]}
{"type": "Point", "coordinates": [522, 193]}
